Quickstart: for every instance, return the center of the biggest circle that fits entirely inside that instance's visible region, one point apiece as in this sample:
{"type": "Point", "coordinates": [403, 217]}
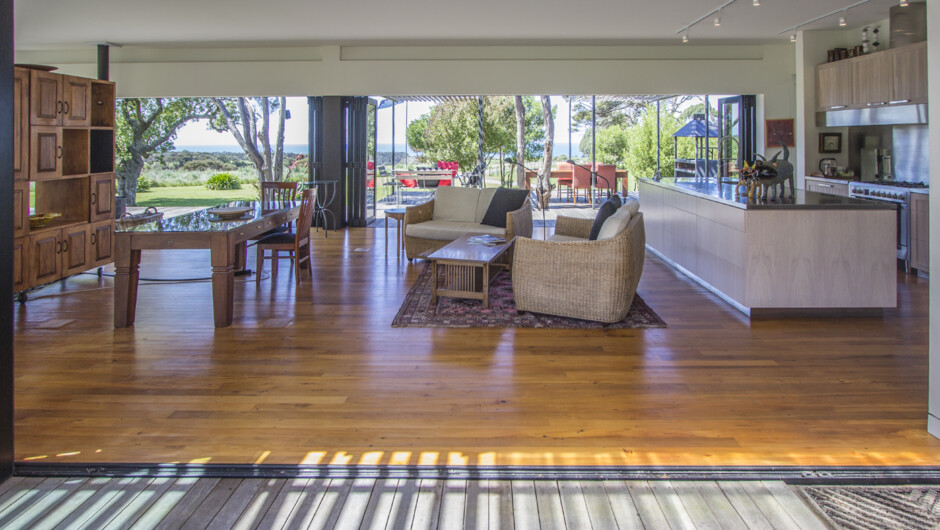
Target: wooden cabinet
{"type": "Point", "coordinates": [20, 263]}
{"type": "Point", "coordinates": [827, 186]}
{"type": "Point", "coordinates": [833, 85]}
{"type": "Point", "coordinates": [20, 124]}
{"type": "Point", "coordinates": [20, 209]}
{"type": "Point", "coordinates": [64, 163]}
{"type": "Point", "coordinates": [891, 77]}
{"type": "Point", "coordinates": [873, 80]}
{"type": "Point", "coordinates": [920, 232]}
{"type": "Point", "coordinates": [101, 244]}
{"type": "Point", "coordinates": [101, 199]}
{"type": "Point", "coordinates": [910, 73]}
{"type": "Point", "coordinates": [45, 153]}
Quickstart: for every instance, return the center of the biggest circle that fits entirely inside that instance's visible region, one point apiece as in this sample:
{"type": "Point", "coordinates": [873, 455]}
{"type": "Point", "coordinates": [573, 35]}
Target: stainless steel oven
{"type": "Point", "coordinates": [895, 195]}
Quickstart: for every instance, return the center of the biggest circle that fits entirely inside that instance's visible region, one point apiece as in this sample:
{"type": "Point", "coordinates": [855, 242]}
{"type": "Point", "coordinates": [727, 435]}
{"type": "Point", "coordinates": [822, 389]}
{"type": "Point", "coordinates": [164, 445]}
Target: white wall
{"type": "Point", "coordinates": [933, 81]}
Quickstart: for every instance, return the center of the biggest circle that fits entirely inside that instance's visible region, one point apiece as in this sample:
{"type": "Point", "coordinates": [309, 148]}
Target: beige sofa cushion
{"type": "Point", "coordinates": [486, 197]}
{"type": "Point", "coordinates": [616, 223]}
{"type": "Point", "coordinates": [455, 204]}
{"type": "Point", "coordinates": [631, 204]}
{"type": "Point", "coordinates": [450, 230]}
{"type": "Point", "coordinates": [563, 239]}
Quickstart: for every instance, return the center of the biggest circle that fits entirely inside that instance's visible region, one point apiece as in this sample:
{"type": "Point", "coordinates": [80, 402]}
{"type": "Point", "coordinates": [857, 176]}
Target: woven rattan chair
{"type": "Point", "coordinates": [591, 280]}
{"type": "Point", "coordinates": [297, 244]}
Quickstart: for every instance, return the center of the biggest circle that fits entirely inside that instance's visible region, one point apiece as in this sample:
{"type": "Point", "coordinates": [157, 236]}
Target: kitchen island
{"type": "Point", "coordinates": [813, 254]}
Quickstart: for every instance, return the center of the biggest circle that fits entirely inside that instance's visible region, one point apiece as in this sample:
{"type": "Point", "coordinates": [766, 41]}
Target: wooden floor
{"type": "Point", "coordinates": [139, 503]}
{"type": "Point", "coordinates": [316, 375]}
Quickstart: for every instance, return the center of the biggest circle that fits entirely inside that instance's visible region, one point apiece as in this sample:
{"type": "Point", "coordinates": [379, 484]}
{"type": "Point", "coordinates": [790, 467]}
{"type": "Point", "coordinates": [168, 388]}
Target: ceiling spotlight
{"type": "Point", "coordinates": [903, 3]}
{"type": "Point", "coordinates": [756, 3]}
{"type": "Point", "coordinates": [842, 21]}
{"type": "Point", "coordinates": [718, 19]}
{"type": "Point", "coordinates": [793, 37]}
{"type": "Point", "coordinates": [685, 37]}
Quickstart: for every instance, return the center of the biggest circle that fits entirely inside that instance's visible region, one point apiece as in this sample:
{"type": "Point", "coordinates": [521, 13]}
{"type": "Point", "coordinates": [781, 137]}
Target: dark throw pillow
{"type": "Point", "coordinates": [504, 201]}
{"type": "Point", "coordinates": [607, 209]}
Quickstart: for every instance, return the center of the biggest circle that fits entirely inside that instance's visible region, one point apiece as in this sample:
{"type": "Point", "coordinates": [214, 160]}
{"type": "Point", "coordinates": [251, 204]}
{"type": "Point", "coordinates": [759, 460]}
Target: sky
{"type": "Point", "coordinates": [295, 129]}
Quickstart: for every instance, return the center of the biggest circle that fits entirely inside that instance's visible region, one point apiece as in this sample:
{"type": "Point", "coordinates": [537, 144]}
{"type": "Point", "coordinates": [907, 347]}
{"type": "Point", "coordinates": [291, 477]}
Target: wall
{"type": "Point", "coordinates": [409, 70]}
{"type": "Point", "coordinates": [933, 81]}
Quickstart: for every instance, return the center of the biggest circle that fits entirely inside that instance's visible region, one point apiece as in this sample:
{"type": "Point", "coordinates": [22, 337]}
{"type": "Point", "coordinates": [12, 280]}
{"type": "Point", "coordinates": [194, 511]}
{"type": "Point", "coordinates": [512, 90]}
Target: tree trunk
{"type": "Point", "coordinates": [279, 145]}
{"type": "Point", "coordinates": [128, 175]}
{"type": "Point", "coordinates": [246, 137]}
{"type": "Point", "coordinates": [545, 172]}
{"type": "Point", "coordinates": [520, 142]}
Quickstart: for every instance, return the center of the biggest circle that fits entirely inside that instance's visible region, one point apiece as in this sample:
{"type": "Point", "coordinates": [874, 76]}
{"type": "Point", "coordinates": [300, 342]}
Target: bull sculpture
{"type": "Point", "coordinates": [764, 175]}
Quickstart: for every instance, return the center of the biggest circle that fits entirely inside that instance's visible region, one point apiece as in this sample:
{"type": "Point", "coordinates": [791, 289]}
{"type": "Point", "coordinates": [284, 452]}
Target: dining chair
{"type": "Point", "coordinates": [564, 182]}
{"type": "Point", "coordinates": [581, 180]}
{"type": "Point", "coordinates": [296, 244]}
{"type": "Point", "coordinates": [278, 191]}
{"type": "Point", "coordinates": [606, 178]}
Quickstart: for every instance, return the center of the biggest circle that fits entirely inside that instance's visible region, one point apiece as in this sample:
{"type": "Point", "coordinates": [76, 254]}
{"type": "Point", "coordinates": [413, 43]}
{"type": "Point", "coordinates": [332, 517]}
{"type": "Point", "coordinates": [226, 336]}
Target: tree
{"type": "Point", "coordinates": [240, 116]}
{"type": "Point", "coordinates": [612, 145]}
{"type": "Point", "coordinates": [148, 126]}
{"type": "Point", "coordinates": [519, 111]}
{"type": "Point", "coordinates": [545, 172]}
{"type": "Point", "coordinates": [640, 154]}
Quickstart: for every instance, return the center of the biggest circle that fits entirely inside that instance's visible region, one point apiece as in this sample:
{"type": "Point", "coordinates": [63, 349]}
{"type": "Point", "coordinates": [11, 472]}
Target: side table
{"type": "Point", "coordinates": [398, 214]}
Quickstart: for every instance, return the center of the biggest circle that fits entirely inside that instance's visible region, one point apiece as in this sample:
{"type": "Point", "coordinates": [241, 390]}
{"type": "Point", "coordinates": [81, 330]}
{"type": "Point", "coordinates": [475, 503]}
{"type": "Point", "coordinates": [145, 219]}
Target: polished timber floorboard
{"type": "Point", "coordinates": [142, 503]}
{"type": "Point", "coordinates": [316, 375]}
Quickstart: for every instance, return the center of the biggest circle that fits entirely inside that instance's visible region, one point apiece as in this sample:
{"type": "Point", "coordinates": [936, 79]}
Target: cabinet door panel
{"type": "Point", "coordinates": [76, 101]}
{"type": "Point", "coordinates": [75, 251]}
{"type": "Point", "coordinates": [102, 244]}
{"type": "Point", "coordinates": [20, 124]}
{"type": "Point", "coordinates": [20, 209]}
{"type": "Point", "coordinates": [21, 264]}
{"type": "Point", "coordinates": [833, 85]}
{"type": "Point", "coordinates": [45, 257]}
{"type": "Point", "coordinates": [873, 79]}
{"type": "Point", "coordinates": [910, 73]}
{"type": "Point", "coordinates": [45, 98]}
{"type": "Point", "coordinates": [102, 198]}
{"type": "Point", "coordinates": [45, 148]}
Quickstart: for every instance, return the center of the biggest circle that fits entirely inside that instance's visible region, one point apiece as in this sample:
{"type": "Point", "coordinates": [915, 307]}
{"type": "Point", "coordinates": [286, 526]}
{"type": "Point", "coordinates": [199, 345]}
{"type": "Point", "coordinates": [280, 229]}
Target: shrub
{"type": "Point", "coordinates": [223, 181]}
{"type": "Point", "coordinates": [205, 164]}
{"type": "Point", "coordinates": [144, 183]}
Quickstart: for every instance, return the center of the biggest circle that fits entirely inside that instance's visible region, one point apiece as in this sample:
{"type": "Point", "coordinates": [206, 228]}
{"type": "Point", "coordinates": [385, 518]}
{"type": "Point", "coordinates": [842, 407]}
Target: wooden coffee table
{"type": "Point", "coordinates": [466, 268]}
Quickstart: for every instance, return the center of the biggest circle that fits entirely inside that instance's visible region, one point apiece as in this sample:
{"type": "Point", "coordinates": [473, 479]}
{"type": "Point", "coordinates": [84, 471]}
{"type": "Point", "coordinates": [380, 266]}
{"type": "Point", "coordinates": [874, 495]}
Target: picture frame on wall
{"type": "Point", "coordinates": [779, 131]}
{"type": "Point", "coordinates": [830, 142]}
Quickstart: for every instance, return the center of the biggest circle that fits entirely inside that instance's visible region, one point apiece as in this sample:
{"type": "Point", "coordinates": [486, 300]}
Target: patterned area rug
{"type": "Point", "coordinates": [864, 507]}
{"type": "Point", "coordinates": [461, 313]}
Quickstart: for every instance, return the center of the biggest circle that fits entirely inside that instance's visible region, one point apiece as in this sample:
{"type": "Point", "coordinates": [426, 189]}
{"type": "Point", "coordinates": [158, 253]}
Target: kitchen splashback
{"type": "Point", "coordinates": [911, 150]}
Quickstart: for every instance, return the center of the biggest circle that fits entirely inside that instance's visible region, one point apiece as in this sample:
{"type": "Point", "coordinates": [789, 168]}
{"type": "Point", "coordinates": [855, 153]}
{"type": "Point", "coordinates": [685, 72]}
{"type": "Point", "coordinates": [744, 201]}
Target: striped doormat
{"type": "Point", "coordinates": [877, 507]}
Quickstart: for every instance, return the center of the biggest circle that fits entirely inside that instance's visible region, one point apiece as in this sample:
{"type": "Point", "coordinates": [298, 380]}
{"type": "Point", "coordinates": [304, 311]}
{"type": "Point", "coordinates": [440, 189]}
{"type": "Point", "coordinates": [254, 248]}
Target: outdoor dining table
{"type": "Point", "coordinates": [226, 241]}
{"type": "Point", "coordinates": [568, 174]}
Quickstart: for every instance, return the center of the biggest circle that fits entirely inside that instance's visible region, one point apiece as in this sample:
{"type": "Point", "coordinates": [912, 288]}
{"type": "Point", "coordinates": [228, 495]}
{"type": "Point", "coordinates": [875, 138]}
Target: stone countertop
{"type": "Point", "coordinates": [804, 200]}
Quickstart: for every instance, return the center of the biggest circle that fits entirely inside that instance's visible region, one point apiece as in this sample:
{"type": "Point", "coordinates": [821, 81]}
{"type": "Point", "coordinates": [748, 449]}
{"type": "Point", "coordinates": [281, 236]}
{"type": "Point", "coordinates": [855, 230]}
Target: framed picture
{"type": "Point", "coordinates": [777, 131]}
{"type": "Point", "coordinates": [830, 142]}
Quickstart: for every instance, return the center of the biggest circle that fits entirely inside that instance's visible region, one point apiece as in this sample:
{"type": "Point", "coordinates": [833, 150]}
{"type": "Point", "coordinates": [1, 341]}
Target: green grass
{"type": "Point", "coordinates": [193, 196]}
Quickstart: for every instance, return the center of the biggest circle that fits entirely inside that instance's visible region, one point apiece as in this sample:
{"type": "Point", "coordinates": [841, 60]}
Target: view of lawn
{"type": "Point", "coordinates": [193, 196]}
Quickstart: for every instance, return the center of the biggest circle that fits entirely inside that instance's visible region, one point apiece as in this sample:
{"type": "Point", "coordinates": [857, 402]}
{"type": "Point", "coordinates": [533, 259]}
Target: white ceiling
{"type": "Point", "coordinates": [45, 24]}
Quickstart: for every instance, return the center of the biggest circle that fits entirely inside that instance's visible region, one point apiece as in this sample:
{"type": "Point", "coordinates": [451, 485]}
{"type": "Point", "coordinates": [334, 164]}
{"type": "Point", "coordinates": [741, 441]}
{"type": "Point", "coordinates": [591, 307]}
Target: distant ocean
{"type": "Point", "coordinates": [560, 148]}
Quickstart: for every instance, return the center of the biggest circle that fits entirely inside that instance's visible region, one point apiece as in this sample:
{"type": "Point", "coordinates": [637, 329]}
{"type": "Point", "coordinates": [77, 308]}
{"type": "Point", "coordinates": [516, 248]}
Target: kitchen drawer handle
{"type": "Point", "coordinates": [59, 150]}
{"type": "Point", "coordinates": [94, 198]}
{"type": "Point", "coordinates": [66, 107]}
{"type": "Point", "coordinates": [94, 238]}
{"type": "Point", "coordinates": [837, 107]}
{"type": "Point", "coordinates": [899, 101]}
{"type": "Point", "coordinates": [824, 185]}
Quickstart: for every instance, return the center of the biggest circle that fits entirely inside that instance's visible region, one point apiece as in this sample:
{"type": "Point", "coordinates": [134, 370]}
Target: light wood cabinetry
{"type": "Point", "coordinates": [827, 186]}
{"type": "Point", "coordinates": [891, 77]}
{"type": "Point", "coordinates": [920, 232]}
{"type": "Point", "coordinates": [833, 91]}
{"type": "Point", "coordinates": [66, 127]}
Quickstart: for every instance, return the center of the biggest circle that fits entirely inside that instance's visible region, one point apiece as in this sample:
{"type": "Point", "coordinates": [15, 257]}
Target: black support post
{"type": "Point", "coordinates": [6, 238]}
{"type": "Point", "coordinates": [104, 62]}
{"type": "Point", "coordinates": [333, 143]}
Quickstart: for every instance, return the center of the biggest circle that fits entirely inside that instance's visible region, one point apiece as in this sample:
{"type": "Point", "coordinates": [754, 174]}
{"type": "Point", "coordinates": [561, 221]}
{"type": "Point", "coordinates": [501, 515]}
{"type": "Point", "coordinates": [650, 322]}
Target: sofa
{"type": "Point", "coordinates": [456, 211]}
{"type": "Point", "coordinates": [571, 276]}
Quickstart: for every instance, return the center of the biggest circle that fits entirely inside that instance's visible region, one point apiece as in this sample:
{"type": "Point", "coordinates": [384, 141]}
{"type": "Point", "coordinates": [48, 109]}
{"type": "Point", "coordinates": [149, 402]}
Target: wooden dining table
{"type": "Point", "coordinates": [226, 241]}
{"type": "Point", "coordinates": [567, 174]}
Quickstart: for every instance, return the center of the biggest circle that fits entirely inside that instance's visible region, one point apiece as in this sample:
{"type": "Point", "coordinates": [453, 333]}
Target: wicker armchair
{"type": "Point", "coordinates": [518, 223]}
{"type": "Point", "coordinates": [591, 280]}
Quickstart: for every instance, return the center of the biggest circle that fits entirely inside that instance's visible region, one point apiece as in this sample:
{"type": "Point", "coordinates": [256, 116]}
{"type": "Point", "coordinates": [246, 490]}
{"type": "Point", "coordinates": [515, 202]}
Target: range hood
{"type": "Point", "coordinates": [880, 115]}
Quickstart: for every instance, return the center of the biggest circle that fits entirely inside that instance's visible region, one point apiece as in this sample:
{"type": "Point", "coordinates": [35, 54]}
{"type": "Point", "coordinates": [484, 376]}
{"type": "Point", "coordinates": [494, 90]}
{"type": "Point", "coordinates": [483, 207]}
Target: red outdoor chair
{"type": "Point", "coordinates": [581, 180]}
{"type": "Point", "coordinates": [609, 172]}
{"type": "Point", "coordinates": [564, 182]}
